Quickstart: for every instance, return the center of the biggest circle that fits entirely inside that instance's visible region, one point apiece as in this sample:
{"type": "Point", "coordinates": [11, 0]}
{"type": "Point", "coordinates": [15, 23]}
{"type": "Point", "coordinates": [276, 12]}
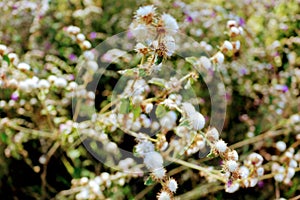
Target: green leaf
{"type": "Point", "coordinates": [129, 72]}
{"type": "Point", "coordinates": [125, 106]}
{"type": "Point", "coordinates": [160, 111]}
{"type": "Point", "coordinates": [149, 181]}
{"type": "Point", "coordinates": [6, 58]}
{"type": "Point", "coordinates": [211, 154]}
{"type": "Point", "coordinates": [185, 123]}
{"type": "Point", "coordinates": [3, 137]}
{"type": "Point", "coordinates": [157, 81]}
{"type": "Point", "coordinates": [192, 60]}
{"type": "Point", "coordinates": [142, 73]}
{"type": "Point", "coordinates": [136, 111]}
{"type": "Point", "coordinates": [159, 59]}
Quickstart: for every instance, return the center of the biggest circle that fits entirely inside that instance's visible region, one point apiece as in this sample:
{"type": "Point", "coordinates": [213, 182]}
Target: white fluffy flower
{"type": "Point", "coordinates": [164, 196]}
{"type": "Point", "coordinates": [231, 165]}
{"type": "Point", "coordinates": [290, 172]}
{"type": "Point", "coordinates": [170, 45]}
{"type": "Point", "coordinates": [256, 159]}
{"type": "Point", "coordinates": [231, 23]}
{"type": "Point", "coordinates": [153, 160]}
{"type": "Point", "coordinates": [260, 171]}
{"type": "Point", "coordinates": [3, 49]}
{"type": "Point", "coordinates": [231, 188]}
{"type": "Point", "coordinates": [73, 30]}
{"type": "Point", "coordinates": [279, 177]}
{"type": "Point", "coordinates": [148, 108]}
{"type": "Point", "coordinates": [92, 65]}
{"type": "Point", "coordinates": [172, 185]}
{"type": "Point", "coordinates": [140, 31]}
{"type": "Point", "coordinates": [60, 82]}
{"type": "Point", "coordinates": [233, 155]}
{"type": "Point", "coordinates": [218, 57]}
{"type": "Point", "coordinates": [89, 55]}
{"type": "Point", "coordinates": [244, 172]}
{"type": "Point", "coordinates": [293, 163]}
{"type": "Point", "coordinates": [23, 66]}
{"type": "Point", "coordinates": [227, 46]}
{"type": "Point", "coordinates": [198, 121]}
{"type": "Point", "coordinates": [43, 84]}
{"type": "Point", "coordinates": [144, 147]}
{"type": "Point", "coordinates": [80, 37]}
{"type": "Point", "coordinates": [145, 11]}
{"type": "Point", "coordinates": [86, 44]}
{"type": "Point", "coordinates": [253, 182]}
{"type": "Point", "coordinates": [236, 45]}
{"type": "Point", "coordinates": [281, 146]}
{"type": "Point", "coordinates": [169, 23]}
{"type": "Point", "coordinates": [188, 108]}
{"type": "Point", "coordinates": [159, 173]}
{"type": "Point", "coordinates": [221, 146]}
{"type": "Point", "coordinates": [205, 62]}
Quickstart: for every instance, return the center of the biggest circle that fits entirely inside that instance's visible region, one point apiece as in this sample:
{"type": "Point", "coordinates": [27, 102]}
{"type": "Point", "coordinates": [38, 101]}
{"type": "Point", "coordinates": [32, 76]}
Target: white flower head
{"type": "Point", "coordinates": [141, 32]}
{"type": "Point", "coordinates": [233, 155]}
{"type": "Point", "coordinates": [221, 146]}
{"type": "Point", "coordinates": [3, 49]}
{"type": "Point", "coordinates": [198, 121]}
{"type": "Point", "coordinates": [205, 62]}
{"type": "Point", "coordinates": [232, 187]}
{"type": "Point", "coordinates": [231, 23]}
{"type": "Point", "coordinates": [86, 44]}
{"type": "Point", "coordinates": [188, 108]}
{"type": "Point", "coordinates": [153, 160]}
{"type": "Point", "coordinates": [244, 172]}
{"type": "Point", "coordinates": [172, 185]}
{"type": "Point", "coordinates": [148, 108]}
{"type": "Point", "coordinates": [43, 84]}
{"type": "Point", "coordinates": [144, 147]}
{"type": "Point", "coordinates": [279, 177]}
{"type": "Point", "coordinates": [231, 165]}
{"type": "Point", "coordinates": [146, 14]}
{"type": "Point", "coordinates": [169, 43]}
{"type": "Point", "coordinates": [23, 66]}
{"type": "Point", "coordinates": [80, 37]}
{"type": "Point", "coordinates": [164, 196]}
{"type": "Point", "coordinates": [281, 146]}
{"type": "Point", "coordinates": [169, 23]}
{"type": "Point", "coordinates": [92, 65]}
{"type": "Point", "coordinates": [218, 57]}
{"type": "Point", "coordinates": [227, 46]}
{"type": "Point", "coordinates": [159, 173]}
{"type": "Point", "coordinates": [256, 159]}
{"type": "Point", "coordinates": [260, 171]}
{"type": "Point", "coordinates": [60, 82]}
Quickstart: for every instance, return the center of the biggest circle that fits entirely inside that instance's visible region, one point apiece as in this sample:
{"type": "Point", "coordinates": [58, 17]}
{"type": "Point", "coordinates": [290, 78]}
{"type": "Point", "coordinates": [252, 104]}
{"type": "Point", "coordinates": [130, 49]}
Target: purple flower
{"type": "Point", "coordinates": [241, 21]}
{"type": "Point", "coordinates": [261, 184]}
{"type": "Point", "coordinates": [14, 96]}
{"type": "Point", "coordinates": [243, 71]}
{"type": "Point", "coordinates": [129, 35]}
{"type": "Point", "coordinates": [189, 19]}
{"type": "Point", "coordinates": [285, 88]}
{"type": "Point", "coordinates": [71, 77]}
{"type": "Point", "coordinates": [93, 35]}
{"type": "Point", "coordinates": [47, 45]}
{"type": "Point", "coordinates": [229, 183]}
{"type": "Point", "coordinates": [14, 7]}
{"type": "Point", "coordinates": [72, 57]}
{"type": "Point", "coordinates": [227, 96]}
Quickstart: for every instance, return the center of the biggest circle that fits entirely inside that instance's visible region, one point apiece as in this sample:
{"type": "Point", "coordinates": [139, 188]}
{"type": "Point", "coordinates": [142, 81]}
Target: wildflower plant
{"type": "Point", "coordinates": [157, 104]}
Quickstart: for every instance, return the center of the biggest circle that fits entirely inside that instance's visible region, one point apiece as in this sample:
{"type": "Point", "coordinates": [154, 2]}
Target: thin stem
{"type": "Point", "coordinates": [268, 134]}
{"type": "Point", "coordinates": [197, 167]}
